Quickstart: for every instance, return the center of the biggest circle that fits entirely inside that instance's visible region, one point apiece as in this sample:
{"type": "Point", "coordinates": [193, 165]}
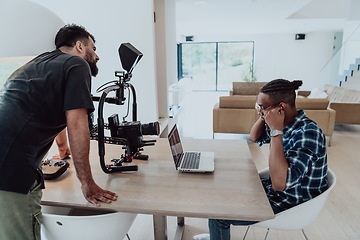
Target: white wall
{"type": "Point", "coordinates": [112, 23]}
{"type": "Point", "coordinates": [281, 56]}
{"type": "Point", "coordinates": [276, 23]}
{"type": "Point", "coordinates": [27, 28]}
{"type": "Point", "coordinates": [351, 47]}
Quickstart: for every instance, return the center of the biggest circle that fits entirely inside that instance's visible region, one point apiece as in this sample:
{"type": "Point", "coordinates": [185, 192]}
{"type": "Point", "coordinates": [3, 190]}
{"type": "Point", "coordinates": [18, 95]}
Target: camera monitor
{"type": "Point", "coordinates": [129, 56]}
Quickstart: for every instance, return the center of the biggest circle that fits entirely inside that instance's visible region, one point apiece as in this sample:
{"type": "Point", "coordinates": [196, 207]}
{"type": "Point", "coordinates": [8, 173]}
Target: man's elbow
{"type": "Point", "coordinates": [278, 186]}
{"type": "Point", "coordinates": [253, 138]}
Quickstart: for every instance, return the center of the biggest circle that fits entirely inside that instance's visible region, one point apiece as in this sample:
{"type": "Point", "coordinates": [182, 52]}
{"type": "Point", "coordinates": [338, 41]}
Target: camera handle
{"type": "Point", "coordinates": [101, 137]}
{"type": "Point", "coordinates": [134, 107]}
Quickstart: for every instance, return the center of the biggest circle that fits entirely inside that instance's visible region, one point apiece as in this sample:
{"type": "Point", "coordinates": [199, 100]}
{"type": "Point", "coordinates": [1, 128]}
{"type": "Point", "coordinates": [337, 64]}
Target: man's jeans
{"type": "Point", "coordinates": [20, 214]}
{"type": "Point", "coordinates": [220, 229]}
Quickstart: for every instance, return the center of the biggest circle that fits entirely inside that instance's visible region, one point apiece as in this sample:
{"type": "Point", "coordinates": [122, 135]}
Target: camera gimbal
{"type": "Point", "coordinates": [128, 134]}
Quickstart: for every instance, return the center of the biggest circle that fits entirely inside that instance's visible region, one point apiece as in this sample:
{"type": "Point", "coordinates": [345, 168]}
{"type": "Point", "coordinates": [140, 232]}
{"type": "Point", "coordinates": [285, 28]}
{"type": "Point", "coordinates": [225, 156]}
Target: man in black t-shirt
{"type": "Point", "coordinates": [38, 101]}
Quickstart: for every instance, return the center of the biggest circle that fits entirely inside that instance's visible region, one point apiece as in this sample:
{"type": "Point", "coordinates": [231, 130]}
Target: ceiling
{"type": "Point", "coordinates": [206, 17]}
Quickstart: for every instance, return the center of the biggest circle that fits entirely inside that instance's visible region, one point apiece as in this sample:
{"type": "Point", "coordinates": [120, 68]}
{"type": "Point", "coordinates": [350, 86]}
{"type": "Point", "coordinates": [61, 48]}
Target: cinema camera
{"type": "Point", "coordinates": [128, 134]}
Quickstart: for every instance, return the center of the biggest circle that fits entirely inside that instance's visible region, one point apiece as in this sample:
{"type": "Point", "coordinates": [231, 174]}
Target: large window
{"type": "Point", "coordinates": [215, 65]}
{"type": "Point", "coordinates": [9, 64]}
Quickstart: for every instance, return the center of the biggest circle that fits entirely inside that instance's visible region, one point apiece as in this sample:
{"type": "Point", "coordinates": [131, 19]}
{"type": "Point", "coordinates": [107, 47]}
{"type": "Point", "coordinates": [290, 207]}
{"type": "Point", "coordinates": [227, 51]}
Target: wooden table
{"type": "Point", "coordinates": [233, 191]}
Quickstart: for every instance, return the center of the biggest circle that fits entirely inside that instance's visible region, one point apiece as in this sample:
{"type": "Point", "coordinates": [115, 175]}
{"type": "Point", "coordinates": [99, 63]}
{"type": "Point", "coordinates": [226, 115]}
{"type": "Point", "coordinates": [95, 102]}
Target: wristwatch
{"type": "Point", "coordinates": [274, 133]}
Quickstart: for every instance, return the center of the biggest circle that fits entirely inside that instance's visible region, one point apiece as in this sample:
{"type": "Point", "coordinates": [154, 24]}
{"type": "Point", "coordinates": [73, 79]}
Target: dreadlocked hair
{"type": "Point", "coordinates": [281, 90]}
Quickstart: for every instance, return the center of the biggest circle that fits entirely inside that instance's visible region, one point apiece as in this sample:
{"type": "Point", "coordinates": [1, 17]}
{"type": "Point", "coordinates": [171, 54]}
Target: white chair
{"type": "Point", "coordinates": [300, 216]}
{"type": "Point", "coordinates": [57, 224]}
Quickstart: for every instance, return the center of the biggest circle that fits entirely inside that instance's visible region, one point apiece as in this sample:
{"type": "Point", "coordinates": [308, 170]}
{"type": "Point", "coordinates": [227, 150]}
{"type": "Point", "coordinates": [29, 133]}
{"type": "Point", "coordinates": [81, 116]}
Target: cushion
{"type": "Point", "coordinates": [243, 101]}
{"type": "Point", "coordinates": [247, 88]}
{"type": "Point", "coordinates": [312, 104]}
{"type": "Point", "coordinates": [302, 93]}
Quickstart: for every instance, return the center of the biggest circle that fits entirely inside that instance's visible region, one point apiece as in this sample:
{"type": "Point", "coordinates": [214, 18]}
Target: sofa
{"type": "Point", "coordinates": [236, 113]}
{"type": "Point", "coordinates": [346, 103]}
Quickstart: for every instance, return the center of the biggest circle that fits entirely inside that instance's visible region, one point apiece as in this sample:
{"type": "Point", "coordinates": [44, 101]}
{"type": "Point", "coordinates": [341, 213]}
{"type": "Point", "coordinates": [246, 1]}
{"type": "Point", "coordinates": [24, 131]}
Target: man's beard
{"type": "Point", "coordinates": [93, 68]}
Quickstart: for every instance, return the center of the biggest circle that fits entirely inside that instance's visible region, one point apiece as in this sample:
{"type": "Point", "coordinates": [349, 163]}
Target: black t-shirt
{"type": "Point", "coordinates": [32, 112]}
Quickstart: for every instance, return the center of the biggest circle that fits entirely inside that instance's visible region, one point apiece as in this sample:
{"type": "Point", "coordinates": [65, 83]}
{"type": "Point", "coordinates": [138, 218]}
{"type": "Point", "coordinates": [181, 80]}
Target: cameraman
{"type": "Point", "coordinates": [38, 101]}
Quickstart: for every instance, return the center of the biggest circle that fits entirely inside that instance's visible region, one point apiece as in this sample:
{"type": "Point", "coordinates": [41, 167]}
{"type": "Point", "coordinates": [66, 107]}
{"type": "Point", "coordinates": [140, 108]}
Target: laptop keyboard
{"type": "Point", "coordinates": [191, 160]}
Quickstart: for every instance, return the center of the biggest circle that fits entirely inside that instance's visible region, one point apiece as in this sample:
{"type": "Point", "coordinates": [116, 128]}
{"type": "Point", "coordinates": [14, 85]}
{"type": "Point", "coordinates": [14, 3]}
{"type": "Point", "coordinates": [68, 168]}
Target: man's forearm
{"type": "Point", "coordinates": [79, 138]}
{"type": "Point", "coordinates": [62, 143]}
{"type": "Point", "coordinates": [257, 130]}
{"type": "Point", "coordinates": [278, 164]}
{"type": "Point", "coordinates": [61, 139]}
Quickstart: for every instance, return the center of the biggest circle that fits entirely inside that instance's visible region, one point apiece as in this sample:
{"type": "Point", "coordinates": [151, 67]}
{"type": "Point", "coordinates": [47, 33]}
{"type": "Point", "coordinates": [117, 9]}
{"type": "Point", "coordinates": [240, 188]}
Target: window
{"type": "Point", "coordinates": [9, 64]}
{"type": "Point", "coordinates": [215, 65]}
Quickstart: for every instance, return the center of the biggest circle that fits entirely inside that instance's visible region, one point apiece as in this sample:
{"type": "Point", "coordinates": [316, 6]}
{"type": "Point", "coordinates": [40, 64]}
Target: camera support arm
{"type": "Point", "coordinates": [101, 137]}
{"type": "Point", "coordinates": [134, 108]}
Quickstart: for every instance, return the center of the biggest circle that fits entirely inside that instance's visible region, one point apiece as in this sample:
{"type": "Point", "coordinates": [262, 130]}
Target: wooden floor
{"type": "Point", "coordinates": [339, 220]}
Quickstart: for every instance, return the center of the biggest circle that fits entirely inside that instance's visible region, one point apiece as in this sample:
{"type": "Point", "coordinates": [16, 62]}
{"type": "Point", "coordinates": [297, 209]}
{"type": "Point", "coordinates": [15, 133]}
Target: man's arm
{"type": "Point", "coordinates": [79, 138]}
{"type": "Point", "coordinates": [278, 165]}
{"type": "Point", "coordinates": [257, 130]}
{"type": "Point", "coordinates": [62, 143]}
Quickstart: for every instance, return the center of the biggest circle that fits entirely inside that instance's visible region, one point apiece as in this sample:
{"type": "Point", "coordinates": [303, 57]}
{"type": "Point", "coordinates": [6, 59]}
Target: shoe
{"type": "Point", "coordinates": [203, 236]}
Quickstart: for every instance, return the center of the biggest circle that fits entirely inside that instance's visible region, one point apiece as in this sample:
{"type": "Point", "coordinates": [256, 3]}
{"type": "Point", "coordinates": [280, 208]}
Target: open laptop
{"type": "Point", "coordinates": [189, 161]}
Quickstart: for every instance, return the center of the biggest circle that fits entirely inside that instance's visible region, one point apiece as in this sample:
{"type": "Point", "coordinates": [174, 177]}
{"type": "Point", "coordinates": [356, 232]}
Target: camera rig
{"type": "Point", "coordinates": [128, 134]}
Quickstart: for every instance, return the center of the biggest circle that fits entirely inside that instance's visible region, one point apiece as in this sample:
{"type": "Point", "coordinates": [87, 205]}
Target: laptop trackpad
{"type": "Point", "coordinates": [207, 161]}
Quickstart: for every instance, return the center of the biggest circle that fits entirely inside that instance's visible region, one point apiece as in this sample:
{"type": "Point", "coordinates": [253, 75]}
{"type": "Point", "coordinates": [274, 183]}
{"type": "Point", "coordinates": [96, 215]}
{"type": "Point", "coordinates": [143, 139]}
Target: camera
{"type": "Point", "coordinates": [133, 133]}
{"type": "Point", "coordinates": [128, 134]}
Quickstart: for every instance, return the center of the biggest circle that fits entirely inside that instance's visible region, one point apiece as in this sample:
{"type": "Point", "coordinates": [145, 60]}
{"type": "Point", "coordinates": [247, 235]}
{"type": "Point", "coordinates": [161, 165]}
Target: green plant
{"type": "Point", "coordinates": [249, 76]}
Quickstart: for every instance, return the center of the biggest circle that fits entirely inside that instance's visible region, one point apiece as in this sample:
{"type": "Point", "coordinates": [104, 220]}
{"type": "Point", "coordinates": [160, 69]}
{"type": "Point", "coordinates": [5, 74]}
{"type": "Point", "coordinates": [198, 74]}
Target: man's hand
{"type": "Point", "coordinates": [274, 118]}
{"type": "Point", "coordinates": [62, 143]}
{"type": "Point", "coordinates": [94, 194]}
{"type": "Point", "coordinates": [63, 152]}
{"type": "Point", "coordinates": [79, 138]}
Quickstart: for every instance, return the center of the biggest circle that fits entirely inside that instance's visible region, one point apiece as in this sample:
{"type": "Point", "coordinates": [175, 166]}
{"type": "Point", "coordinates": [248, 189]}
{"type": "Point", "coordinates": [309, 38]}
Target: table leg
{"type": "Point", "coordinates": [160, 227]}
{"type": "Point", "coordinates": [180, 228]}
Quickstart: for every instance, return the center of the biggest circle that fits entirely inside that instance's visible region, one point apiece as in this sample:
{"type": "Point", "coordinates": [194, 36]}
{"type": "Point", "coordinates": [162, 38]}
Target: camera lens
{"type": "Point", "coordinates": [152, 128]}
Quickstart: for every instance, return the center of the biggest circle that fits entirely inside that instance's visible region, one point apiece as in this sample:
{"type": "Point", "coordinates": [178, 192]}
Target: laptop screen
{"type": "Point", "coordinates": [175, 145]}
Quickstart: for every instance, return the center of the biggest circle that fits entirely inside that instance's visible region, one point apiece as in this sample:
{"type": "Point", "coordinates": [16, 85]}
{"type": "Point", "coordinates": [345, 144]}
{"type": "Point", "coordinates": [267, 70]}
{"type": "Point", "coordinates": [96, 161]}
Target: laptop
{"type": "Point", "coordinates": [189, 161]}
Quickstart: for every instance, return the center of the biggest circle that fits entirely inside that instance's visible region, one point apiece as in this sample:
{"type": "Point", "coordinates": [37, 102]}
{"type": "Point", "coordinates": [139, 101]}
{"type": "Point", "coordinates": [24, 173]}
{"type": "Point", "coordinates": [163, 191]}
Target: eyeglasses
{"type": "Point", "coordinates": [262, 109]}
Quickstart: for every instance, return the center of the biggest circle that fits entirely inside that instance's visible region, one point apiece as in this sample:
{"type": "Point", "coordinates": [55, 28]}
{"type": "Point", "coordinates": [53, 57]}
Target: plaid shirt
{"type": "Point", "coordinates": [305, 150]}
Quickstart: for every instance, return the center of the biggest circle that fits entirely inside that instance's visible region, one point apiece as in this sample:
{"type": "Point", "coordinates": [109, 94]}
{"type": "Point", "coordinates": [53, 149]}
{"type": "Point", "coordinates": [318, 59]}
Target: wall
{"type": "Point", "coordinates": [113, 23]}
{"type": "Point", "coordinates": [166, 54]}
{"type": "Point", "coordinates": [281, 56]}
{"type": "Point", "coordinates": [26, 28]}
{"type": "Point", "coordinates": [277, 54]}
{"type": "Point", "coordinates": [350, 47]}
{"type": "Point", "coordinates": [166, 57]}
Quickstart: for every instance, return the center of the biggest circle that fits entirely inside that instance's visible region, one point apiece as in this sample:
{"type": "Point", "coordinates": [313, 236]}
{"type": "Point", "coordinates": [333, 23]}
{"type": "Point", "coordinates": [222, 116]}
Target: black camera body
{"type": "Point", "coordinates": [133, 133]}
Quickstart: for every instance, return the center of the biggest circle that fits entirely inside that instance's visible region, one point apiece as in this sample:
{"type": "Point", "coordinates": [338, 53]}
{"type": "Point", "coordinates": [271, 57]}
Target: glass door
{"type": "Point", "coordinates": [214, 66]}
{"type": "Point", "coordinates": [199, 64]}
{"type": "Point", "coordinates": [235, 63]}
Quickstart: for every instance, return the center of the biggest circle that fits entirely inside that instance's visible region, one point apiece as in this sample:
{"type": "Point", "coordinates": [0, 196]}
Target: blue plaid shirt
{"type": "Point", "coordinates": [305, 150]}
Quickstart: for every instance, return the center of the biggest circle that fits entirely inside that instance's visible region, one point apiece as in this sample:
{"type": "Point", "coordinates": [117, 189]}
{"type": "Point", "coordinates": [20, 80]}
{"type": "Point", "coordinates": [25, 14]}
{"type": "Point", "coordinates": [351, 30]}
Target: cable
{"type": "Point", "coordinates": [102, 87]}
{"type": "Point", "coordinates": [127, 235]}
